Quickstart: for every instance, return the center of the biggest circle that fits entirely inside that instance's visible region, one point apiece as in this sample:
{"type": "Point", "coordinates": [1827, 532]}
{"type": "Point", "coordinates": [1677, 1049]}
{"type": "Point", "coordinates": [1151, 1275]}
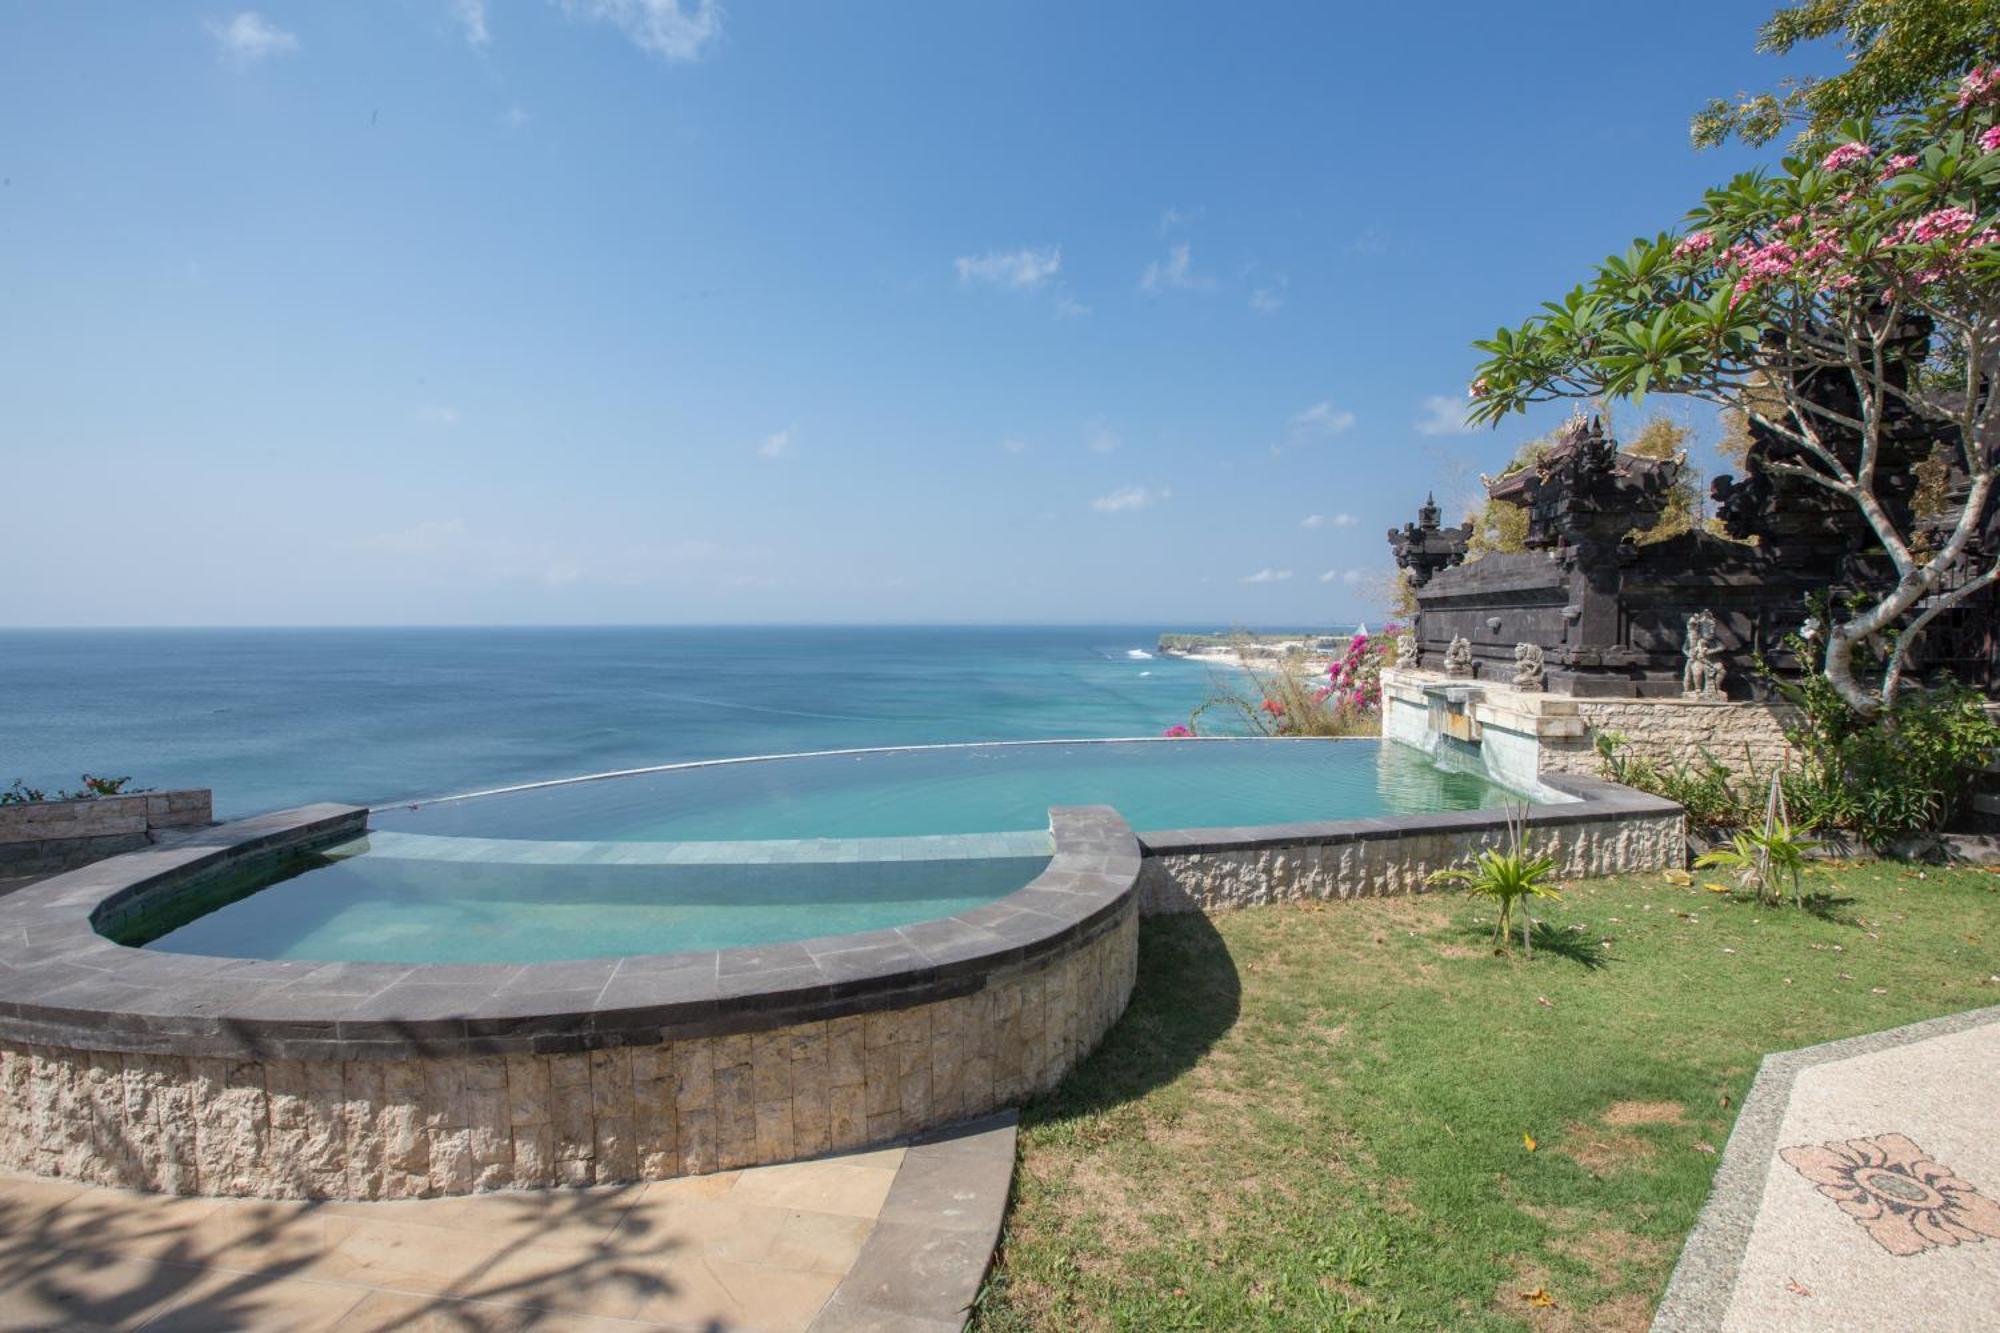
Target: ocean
{"type": "Point", "coordinates": [271, 718]}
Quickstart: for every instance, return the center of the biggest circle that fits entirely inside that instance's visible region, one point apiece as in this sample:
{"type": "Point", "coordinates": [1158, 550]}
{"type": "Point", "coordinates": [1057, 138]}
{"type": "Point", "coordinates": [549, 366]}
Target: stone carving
{"type": "Point", "coordinates": [1458, 657]}
{"type": "Point", "coordinates": [1703, 674]}
{"type": "Point", "coordinates": [1406, 652]}
{"type": "Point", "coordinates": [1527, 666]}
{"type": "Point", "coordinates": [1426, 546]}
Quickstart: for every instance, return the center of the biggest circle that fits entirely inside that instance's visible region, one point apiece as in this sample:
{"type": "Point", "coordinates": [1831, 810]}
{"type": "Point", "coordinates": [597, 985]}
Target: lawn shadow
{"type": "Point", "coordinates": [1581, 947]}
{"type": "Point", "coordinates": [1186, 997]}
{"type": "Point", "coordinates": [1827, 908]}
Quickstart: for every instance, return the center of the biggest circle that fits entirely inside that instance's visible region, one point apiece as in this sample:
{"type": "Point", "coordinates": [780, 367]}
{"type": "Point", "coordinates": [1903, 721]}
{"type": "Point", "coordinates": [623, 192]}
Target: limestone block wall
{"type": "Point", "coordinates": [386, 1129]}
{"type": "Point", "coordinates": [48, 837]}
{"type": "Point", "coordinates": [1744, 736]}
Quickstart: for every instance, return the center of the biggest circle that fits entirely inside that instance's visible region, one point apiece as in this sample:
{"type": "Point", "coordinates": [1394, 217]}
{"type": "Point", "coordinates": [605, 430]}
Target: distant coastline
{"type": "Point", "coordinates": [1248, 651]}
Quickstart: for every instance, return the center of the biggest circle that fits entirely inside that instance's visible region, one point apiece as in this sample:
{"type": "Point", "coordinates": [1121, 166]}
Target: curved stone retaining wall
{"type": "Point", "coordinates": [240, 1077]}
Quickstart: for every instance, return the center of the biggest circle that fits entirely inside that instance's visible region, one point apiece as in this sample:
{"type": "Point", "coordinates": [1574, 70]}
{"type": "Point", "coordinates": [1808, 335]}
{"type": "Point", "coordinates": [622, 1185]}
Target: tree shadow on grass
{"type": "Point", "coordinates": [1578, 946]}
{"type": "Point", "coordinates": [1828, 908]}
{"type": "Point", "coordinates": [1186, 997]}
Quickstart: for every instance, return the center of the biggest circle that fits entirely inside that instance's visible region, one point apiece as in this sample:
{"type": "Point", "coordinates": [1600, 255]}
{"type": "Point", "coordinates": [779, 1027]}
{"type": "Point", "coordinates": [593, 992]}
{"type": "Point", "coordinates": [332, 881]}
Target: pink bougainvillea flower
{"type": "Point", "coordinates": [1900, 162]}
{"type": "Point", "coordinates": [1274, 706]}
{"type": "Point", "coordinates": [1845, 156]}
{"type": "Point", "coordinates": [1989, 142]}
{"type": "Point", "coordinates": [1177, 731]}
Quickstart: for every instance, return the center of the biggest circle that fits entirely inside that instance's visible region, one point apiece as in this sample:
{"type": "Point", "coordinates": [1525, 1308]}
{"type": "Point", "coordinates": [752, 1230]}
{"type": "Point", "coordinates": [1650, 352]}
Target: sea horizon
{"type": "Point", "coordinates": [276, 716]}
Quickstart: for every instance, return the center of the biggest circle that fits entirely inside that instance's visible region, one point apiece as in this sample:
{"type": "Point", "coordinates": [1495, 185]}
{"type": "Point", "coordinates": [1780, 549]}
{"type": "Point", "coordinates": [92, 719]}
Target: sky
{"type": "Point", "coordinates": [634, 311]}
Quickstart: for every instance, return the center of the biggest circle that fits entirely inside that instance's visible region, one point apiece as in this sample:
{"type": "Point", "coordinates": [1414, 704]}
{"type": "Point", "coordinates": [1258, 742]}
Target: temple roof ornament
{"type": "Point", "coordinates": [1426, 546]}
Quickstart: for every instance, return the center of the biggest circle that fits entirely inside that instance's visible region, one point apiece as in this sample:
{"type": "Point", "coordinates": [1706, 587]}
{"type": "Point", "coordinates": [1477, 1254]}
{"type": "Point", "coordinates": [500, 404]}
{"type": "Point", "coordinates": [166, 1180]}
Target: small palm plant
{"type": "Point", "coordinates": [1506, 877]}
{"type": "Point", "coordinates": [1762, 859]}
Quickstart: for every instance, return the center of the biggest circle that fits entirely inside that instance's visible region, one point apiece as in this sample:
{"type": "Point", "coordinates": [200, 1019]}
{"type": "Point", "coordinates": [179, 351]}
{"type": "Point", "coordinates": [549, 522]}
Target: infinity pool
{"type": "Point", "coordinates": [753, 852]}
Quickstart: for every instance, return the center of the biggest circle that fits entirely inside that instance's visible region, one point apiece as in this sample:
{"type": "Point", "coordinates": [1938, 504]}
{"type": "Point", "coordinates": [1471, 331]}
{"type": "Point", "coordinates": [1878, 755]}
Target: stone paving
{"type": "Point", "coordinates": [892, 1239]}
{"type": "Point", "coordinates": [1860, 1190]}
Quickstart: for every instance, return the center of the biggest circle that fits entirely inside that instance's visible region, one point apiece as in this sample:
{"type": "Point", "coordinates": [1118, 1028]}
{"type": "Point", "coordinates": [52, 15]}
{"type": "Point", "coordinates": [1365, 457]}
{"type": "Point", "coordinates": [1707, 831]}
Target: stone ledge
{"type": "Point", "coordinates": [920, 1269]}
{"type": "Point", "coordinates": [64, 984]}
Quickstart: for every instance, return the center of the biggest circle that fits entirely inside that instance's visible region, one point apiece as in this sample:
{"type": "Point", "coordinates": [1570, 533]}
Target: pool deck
{"type": "Point", "coordinates": [896, 1238]}
{"type": "Point", "coordinates": [1860, 1190]}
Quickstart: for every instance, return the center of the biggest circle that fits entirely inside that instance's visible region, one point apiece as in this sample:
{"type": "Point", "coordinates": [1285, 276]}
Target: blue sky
{"type": "Point", "coordinates": [628, 311]}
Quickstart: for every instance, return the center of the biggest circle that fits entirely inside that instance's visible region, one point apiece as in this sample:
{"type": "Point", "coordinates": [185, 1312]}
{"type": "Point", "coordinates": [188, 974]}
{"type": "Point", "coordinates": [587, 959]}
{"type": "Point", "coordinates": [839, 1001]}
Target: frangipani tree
{"type": "Point", "coordinates": [1785, 281]}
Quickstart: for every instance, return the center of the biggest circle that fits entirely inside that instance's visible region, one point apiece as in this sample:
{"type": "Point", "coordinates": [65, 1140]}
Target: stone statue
{"type": "Point", "coordinates": [1528, 666]}
{"type": "Point", "coordinates": [1703, 674]}
{"type": "Point", "coordinates": [1406, 652]}
{"type": "Point", "coordinates": [1458, 657]}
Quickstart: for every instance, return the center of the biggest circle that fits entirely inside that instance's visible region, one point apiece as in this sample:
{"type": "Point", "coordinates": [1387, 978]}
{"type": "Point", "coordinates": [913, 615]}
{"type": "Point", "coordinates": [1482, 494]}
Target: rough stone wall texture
{"type": "Point", "coordinates": [47, 837]}
{"type": "Point", "coordinates": [1249, 877]}
{"type": "Point", "coordinates": [1675, 731]}
{"type": "Point", "coordinates": [387, 1129]}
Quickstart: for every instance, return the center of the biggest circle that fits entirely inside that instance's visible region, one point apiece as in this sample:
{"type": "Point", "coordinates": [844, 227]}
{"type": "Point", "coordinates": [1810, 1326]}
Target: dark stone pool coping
{"type": "Point", "coordinates": [1594, 800]}
{"type": "Point", "coordinates": [922, 1265]}
{"type": "Point", "coordinates": [64, 984]}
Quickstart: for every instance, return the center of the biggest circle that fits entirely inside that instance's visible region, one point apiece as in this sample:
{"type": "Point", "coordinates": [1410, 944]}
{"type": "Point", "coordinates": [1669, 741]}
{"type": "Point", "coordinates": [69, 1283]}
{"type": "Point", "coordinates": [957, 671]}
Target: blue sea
{"type": "Point", "coordinates": [277, 717]}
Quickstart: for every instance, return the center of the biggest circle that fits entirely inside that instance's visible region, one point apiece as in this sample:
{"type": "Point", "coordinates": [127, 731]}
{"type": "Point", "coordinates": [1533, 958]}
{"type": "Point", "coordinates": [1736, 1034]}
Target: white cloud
{"type": "Point", "coordinates": [437, 414]}
{"type": "Point", "coordinates": [1321, 421]}
{"type": "Point", "coordinates": [1343, 520]}
{"type": "Point", "coordinates": [1348, 576]}
{"type": "Point", "coordinates": [515, 117]}
{"type": "Point", "coordinates": [1128, 498]}
{"type": "Point", "coordinates": [1014, 445]}
{"type": "Point", "coordinates": [1267, 298]}
{"type": "Point", "coordinates": [1068, 307]}
{"type": "Point", "coordinates": [1177, 217]}
{"type": "Point", "coordinates": [430, 538]}
{"type": "Point", "coordinates": [471, 16]}
{"type": "Point", "coordinates": [1268, 576]}
{"type": "Point", "coordinates": [669, 29]}
{"type": "Point", "coordinates": [777, 444]}
{"type": "Point", "coordinates": [1313, 520]}
{"type": "Point", "coordinates": [1027, 269]}
{"type": "Point", "coordinates": [1443, 416]}
{"type": "Point", "coordinates": [1102, 439]}
{"type": "Point", "coordinates": [1176, 272]}
{"type": "Point", "coordinates": [250, 37]}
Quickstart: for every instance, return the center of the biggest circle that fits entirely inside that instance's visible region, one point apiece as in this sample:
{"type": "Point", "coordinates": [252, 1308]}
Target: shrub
{"type": "Point", "coordinates": [1711, 792]}
{"type": "Point", "coordinates": [1286, 698]}
{"type": "Point", "coordinates": [1907, 769]}
{"type": "Point", "coordinates": [22, 794]}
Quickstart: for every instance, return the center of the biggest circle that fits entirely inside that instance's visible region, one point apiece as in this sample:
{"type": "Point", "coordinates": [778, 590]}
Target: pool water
{"type": "Point", "coordinates": [753, 852]}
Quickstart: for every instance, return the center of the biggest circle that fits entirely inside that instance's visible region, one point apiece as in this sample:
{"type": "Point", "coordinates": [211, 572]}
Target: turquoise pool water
{"type": "Point", "coordinates": [735, 854]}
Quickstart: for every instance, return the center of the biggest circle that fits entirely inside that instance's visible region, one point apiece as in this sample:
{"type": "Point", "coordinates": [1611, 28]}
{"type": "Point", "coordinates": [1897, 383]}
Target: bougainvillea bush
{"type": "Point", "coordinates": [1824, 268]}
{"type": "Point", "coordinates": [1289, 698]}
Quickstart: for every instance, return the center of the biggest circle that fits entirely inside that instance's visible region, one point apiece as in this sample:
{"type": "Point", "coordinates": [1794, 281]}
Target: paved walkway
{"type": "Point", "coordinates": [1860, 1190]}
{"type": "Point", "coordinates": [908, 1229]}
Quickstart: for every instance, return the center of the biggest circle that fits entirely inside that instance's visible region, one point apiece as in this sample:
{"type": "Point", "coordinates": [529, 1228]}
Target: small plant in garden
{"type": "Point", "coordinates": [1506, 878]}
{"type": "Point", "coordinates": [1762, 859]}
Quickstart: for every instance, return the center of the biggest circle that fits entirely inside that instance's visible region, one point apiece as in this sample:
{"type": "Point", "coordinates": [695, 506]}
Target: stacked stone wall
{"type": "Point", "coordinates": [1748, 737]}
{"type": "Point", "coordinates": [386, 1129]}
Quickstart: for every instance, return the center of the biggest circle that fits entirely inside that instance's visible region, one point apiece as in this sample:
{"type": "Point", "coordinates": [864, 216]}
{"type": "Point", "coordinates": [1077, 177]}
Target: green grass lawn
{"type": "Point", "coordinates": [1318, 1116]}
